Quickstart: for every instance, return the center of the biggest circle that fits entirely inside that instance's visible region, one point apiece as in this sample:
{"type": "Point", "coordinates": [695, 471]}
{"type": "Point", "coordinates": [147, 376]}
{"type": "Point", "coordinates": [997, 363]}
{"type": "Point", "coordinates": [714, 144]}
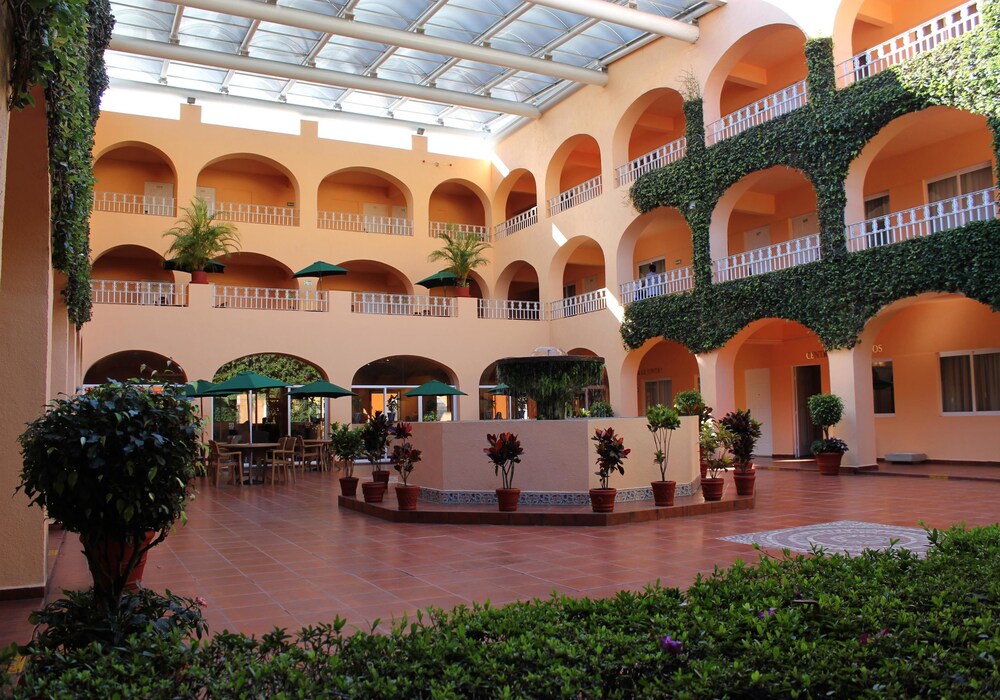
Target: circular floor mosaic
{"type": "Point", "coordinates": [842, 536]}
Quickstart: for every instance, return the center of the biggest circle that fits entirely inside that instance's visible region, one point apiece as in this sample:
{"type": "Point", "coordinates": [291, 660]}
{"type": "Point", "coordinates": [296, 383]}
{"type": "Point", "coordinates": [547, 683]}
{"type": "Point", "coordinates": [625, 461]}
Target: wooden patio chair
{"type": "Point", "coordinates": [220, 460]}
{"type": "Point", "coordinates": [282, 459]}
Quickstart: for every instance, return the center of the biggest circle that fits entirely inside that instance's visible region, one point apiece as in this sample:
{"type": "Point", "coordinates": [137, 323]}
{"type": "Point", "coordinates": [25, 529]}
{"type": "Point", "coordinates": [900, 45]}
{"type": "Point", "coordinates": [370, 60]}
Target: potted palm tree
{"type": "Point", "coordinates": [826, 410]}
{"type": "Point", "coordinates": [504, 452]}
{"type": "Point", "coordinates": [463, 251]}
{"type": "Point", "coordinates": [611, 452]}
{"type": "Point", "coordinates": [348, 447]}
{"type": "Point", "coordinates": [746, 432]}
{"type": "Point", "coordinates": [198, 238]}
{"type": "Point", "coordinates": [375, 438]}
{"type": "Point", "coordinates": [403, 457]}
{"type": "Point", "coordinates": [662, 422]}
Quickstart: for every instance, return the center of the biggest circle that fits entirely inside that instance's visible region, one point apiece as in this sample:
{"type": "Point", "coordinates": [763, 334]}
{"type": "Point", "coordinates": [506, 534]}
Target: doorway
{"type": "Point", "coordinates": [808, 381]}
{"type": "Point", "coordinates": [758, 388]}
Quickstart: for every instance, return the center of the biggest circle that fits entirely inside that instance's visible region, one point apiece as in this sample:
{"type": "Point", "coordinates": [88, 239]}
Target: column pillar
{"type": "Point", "coordinates": [851, 380]}
{"type": "Point", "coordinates": [715, 369]}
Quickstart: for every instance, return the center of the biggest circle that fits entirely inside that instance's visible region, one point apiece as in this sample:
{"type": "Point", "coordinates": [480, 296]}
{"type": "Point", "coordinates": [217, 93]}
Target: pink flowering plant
{"type": "Point", "coordinates": [504, 452]}
{"type": "Point", "coordinates": [611, 453]}
{"type": "Point", "coordinates": [403, 455]}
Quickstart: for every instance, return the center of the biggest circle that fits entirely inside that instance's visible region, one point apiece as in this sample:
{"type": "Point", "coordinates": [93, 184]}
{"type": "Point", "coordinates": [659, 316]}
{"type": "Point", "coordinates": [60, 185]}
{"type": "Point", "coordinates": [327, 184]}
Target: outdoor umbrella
{"type": "Point", "coordinates": [444, 278]}
{"type": "Point", "coordinates": [213, 266]}
{"type": "Point", "coordinates": [248, 382]}
{"type": "Point", "coordinates": [198, 388]}
{"type": "Point", "coordinates": [499, 389]}
{"type": "Point", "coordinates": [434, 388]}
{"type": "Point", "coordinates": [320, 388]}
{"type": "Point", "coordinates": [320, 269]}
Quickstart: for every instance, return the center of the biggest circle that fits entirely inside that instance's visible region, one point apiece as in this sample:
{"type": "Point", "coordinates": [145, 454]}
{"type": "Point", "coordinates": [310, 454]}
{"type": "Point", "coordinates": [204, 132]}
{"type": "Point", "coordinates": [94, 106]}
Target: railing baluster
{"type": "Point", "coordinates": [583, 192]}
{"type": "Point", "coordinates": [758, 261]}
{"type": "Point", "coordinates": [761, 111]}
{"type": "Point", "coordinates": [517, 223]}
{"type": "Point", "coordinates": [664, 155]}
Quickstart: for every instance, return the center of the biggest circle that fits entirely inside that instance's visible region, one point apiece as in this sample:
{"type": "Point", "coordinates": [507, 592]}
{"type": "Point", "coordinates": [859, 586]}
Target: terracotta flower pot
{"type": "Point", "coordinates": [349, 486]}
{"type": "Point", "coordinates": [199, 277]}
{"type": "Point", "coordinates": [463, 291]}
{"type": "Point", "coordinates": [603, 500]}
{"type": "Point", "coordinates": [373, 491]}
{"type": "Point", "coordinates": [703, 465]}
{"type": "Point", "coordinates": [711, 489]}
{"type": "Point", "coordinates": [406, 496]}
{"type": "Point", "coordinates": [112, 557]}
{"type": "Point", "coordinates": [381, 476]}
{"type": "Point", "coordinates": [745, 482]}
{"type": "Point", "coordinates": [507, 499]}
{"type": "Point", "coordinates": [663, 492]}
{"type": "Point", "coordinates": [829, 462]}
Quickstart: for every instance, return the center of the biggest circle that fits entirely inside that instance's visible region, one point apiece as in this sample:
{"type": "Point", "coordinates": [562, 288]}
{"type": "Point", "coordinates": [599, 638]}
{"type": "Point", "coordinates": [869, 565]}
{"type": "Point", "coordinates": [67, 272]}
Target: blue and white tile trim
{"type": "Point", "coordinates": [544, 498]}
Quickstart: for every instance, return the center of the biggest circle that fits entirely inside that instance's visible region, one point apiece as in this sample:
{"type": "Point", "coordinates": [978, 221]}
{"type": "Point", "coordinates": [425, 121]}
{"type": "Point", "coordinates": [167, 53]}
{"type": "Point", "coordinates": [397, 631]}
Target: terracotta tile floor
{"type": "Point", "coordinates": [287, 556]}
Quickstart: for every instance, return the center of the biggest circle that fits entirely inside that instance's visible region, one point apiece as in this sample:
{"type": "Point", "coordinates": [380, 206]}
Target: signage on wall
{"type": "Point", "coordinates": [877, 348]}
{"type": "Point", "coordinates": [649, 370]}
{"type": "Point", "coordinates": [816, 354]}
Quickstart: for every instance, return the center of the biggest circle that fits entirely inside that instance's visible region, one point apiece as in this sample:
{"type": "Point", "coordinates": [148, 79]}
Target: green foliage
{"type": "Point", "coordinates": [662, 421]}
{"type": "Point", "coordinates": [883, 624]}
{"type": "Point", "coordinates": [611, 453]}
{"type": "Point", "coordinates": [601, 409]}
{"type": "Point", "coordinates": [715, 442]}
{"type": "Point", "coordinates": [550, 381]}
{"type": "Point", "coordinates": [825, 411]}
{"type": "Point", "coordinates": [284, 367]}
{"type": "Point", "coordinates": [403, 455]}
{"type": "Point", "coordinates": [112, 464]}
{"type": "Point", "coordinates": [60, 46]}
{"type": "Point", "coordinates": [746, 432]}
{"type": "Point", "coordinates": [504, 452]}
{"type": "Point", "coordinates": [836, 296]}
{"type": "Point", "coordinates": [463, 252]}
{"type": "Point", "coordinates": [199, 236]}
{"type": "Point", "coordinates": [347, 445]}
{"type": "Point", "coordinates": [689, 402]}
{"type": "Point", "coordinates": [375, 439]}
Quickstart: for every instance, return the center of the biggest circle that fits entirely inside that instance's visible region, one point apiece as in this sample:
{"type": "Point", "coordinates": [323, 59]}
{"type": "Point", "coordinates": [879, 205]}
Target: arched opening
{"type": "Point", "coordinates": [518, 282]}
{"type": "Point", "coordinates": [579, 269]}
{"type": "Point", "coordinates": [250, 189]}
{"type": "Point", "coordinates": [777, 366]}
{"type": "Point", "coordinates": [518, 196]}
{"type": "Point", "coordinates": [585, 399]}
{"type": "Point", "coordinates": [135, 364]}
{"type": "Point", "coordinates": [498, 402]}
{"type": "Point", "coordinates": [655, 255]}
{"type": "Point", "coordinates": [272, 413]}
{"type": "Point", "coordinates": [925, 172]}
{"type": "Point", "coordinates": [135, 178]}
{"type": "Point", "coordinates": [380, 386]}
{"type": "Point", "coordinates": [760, 77]}
{"type": "Point", "coordinates": [935, 377]}
{"type": "Point", "coordinates": [765, 222]}
{"type": "Point", "coordinates": [666, 368]}
{"type": "Point", "coordinates": [367, 276]}
{"type": "Point", "coordinates": [574, 174]}
{"type": "Point", "coordinates": [649, 135]}
{"type": "Point", "coordinates": [130, 262]}
{"type": "Point", "coordinates": [458, 206]}
{"type": "Point", "coordinates": [365, 200]}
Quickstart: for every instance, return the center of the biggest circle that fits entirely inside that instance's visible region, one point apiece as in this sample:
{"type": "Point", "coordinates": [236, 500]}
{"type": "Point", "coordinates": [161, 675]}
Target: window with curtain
{"type": "Point", "coordinates": [883, 388]}
{"type": "Point", "coordinates": [959, 184]}
{"type": "Point", "coordinates": [986, 372]}
{"type": "Point", "coordinates": [970, 381]}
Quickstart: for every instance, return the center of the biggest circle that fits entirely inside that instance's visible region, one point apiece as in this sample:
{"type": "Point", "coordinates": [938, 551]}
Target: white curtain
{"type": "Point", "coordinates": [956, 384]}
{"type": "Point", "coordinates": [987, 371]}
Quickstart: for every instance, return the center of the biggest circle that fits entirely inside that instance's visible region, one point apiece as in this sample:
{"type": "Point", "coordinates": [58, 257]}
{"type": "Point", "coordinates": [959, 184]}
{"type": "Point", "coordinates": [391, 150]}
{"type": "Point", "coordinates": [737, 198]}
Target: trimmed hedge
{"type": "Point", "coordinates": [886, 624]}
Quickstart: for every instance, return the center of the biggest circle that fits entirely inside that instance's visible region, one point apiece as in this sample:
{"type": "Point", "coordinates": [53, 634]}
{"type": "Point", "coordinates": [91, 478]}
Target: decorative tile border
{"type": "Point", "coordinates": [544, 498]}
{"type": "Point", "coordinates": [842, 536]}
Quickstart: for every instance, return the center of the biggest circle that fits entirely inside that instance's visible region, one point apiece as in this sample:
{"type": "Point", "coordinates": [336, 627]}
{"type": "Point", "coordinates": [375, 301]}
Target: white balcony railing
{"type": "Point", "coordinates": [630, 172]}
{"type": "Point", "coordinates": [517, 222]}
{"type": "Point", "coordinates": [138, 293]}
{"type": "Point", "coordinates": [439, 227]}
{"type": "Point", "coordinates": [240, 212]}
{"type": "Point", "coordinates": [924, 37]}
{"type": "Point", "coordinates": [124, 203]}
{"type": "Point", "coordinates": [585, 303]}
{"type": "Point", "coordinates": [759, 261]}
{"type": "Point", "coordinates": [511, 310]}
{"type": "Point", "coordinates": [362, 223]}
{"type": "Point", "coordinates": [761, 111]}
{"type": "Point", "coordinates": [270, 299]}
{"type": "Point", "coordinates": [924, 220]}
{"type": "Point", "coordinates": [575, 195]}
{"type": "Point", "coordinates": [402, 305]}
{"type": "Point", "coordinates": [669, 282]}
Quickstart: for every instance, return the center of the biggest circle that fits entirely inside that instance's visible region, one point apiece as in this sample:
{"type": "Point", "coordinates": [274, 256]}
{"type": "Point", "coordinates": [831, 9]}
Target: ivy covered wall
{"type": "Point", "coordinates": [836, 296]}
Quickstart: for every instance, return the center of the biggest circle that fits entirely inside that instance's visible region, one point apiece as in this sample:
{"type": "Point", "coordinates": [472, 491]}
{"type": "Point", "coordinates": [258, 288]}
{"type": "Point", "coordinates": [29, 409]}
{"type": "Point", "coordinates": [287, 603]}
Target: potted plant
{"type": "Point", "coordinates": [746, 432]}
{"type": "Point", "coordinates": [689, 402]}
{"type": "Point", "coordinates": [348, 447]}
{"type": "Point", "coordinates": [403, 456]}
{"type": "Point", "coordinates": [504, 452]}
{"type": "Point", "coordinates": [463, 251]}
{"type": "Point", "coordinates": [114, 464]}
{"type": "Point", "coordinates": [391, 406]}
{"type": "Point", "coordinates": [826, 410]}
{"type": "Point", "coordinates": [198, 238]}
{"type": "Point", "coordinates": [611, 452]}
{"type": "Point", "coordinates": [375, 440]}
{"type": "Point", "coordinates": [600, 409]}
{"type": "Point", "coordinates": [662, 422]}
{"type": "Point", "coordinates": [715, 442]}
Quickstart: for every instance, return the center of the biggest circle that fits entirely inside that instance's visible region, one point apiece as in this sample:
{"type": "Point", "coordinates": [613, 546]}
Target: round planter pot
{"type": "Point", "coordinates": [663, 492]}
{"type": "Point", "coordinates": [603, 500]}
{"type": "Point", "coordinates": [703, 465]}
{"type": "Point", "coordinates": [463, 291]}
{"type": "Point", "coordinates": [507, 499]}
{"type": "Point", "coordinates": [711, 489]}
{"type": "Point", "coordinates": [745, 482]}
{"type": "Point", "coordinates": [199, 277]}
{"type": "Point", "coordinates": [114, 554]}
{"type": "Point", "coordinates": [349, 486]}
{"type": "Point", "coordinates": [406, 496]}
{"type": "Point", "coordinates": [829, 462]}
{"type": "Point", "coordinates": [381, 476]}
{"type": "Point", "coordinates": [373, 491]}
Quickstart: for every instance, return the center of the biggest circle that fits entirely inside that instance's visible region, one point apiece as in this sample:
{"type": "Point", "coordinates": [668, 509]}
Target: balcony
{"type": "Point", "coordinates": [518, 222]}
{"type": "Point", "coordinates": [583, 192]}
{"type": "Point", "coordinates": [630, 172]}
{"type": "Point", "coordinates": [439, 227]}
{"type": "Point", "coordinates": [124, 203]}
{"type": "Point", "coordinates": [585, 303]}
{"type": "Point", "coordinates": [662, 284]}
{"type": "Point", "coordinates": [761, 111]}
{"type": "Point", "coordinates": [929, 35]}
{"type": "Point", "coordinates": [239, 212]}
{"type": "Point", "coordinates": [760, 261]}
{"type": "Point", "coordinates": [511, 310]}
{"type": "Point", "coordinates": [361, 223]}
{"type": "Point", "coordinates": [402, 305]}
{"type": "Point", "coordinates": [269, 299]}
{"type": "Point", "coordinates": [924, 220]}
{"type": "Point", "coordinates": [138, 293]}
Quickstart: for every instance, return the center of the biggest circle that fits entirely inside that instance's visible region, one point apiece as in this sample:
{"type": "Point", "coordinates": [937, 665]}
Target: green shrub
{"type": "Point", "coordinates": [689, 402]}
{"type": "Point", "coordinates": [601, 409]}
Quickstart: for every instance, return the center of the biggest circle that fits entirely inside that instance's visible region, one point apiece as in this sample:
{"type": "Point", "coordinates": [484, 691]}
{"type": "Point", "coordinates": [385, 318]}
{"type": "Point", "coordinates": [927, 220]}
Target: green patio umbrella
{"type": "Point", "coordinates": [320, 269]}
{"type": "Point", "coordinates": [198, 388]}
{"type": "Point", "coordinates": [321, 388]}
{"type": "Point", "coordinates": [444, 278]}
{"type": "Point", "coordinates": [248, 382]}
{"type": "Point", "coordinates": [213, 266]}
{"type": "Point", "coordinates": [499, 389]}
{"type": "Point", "coordinates": [435, 388]}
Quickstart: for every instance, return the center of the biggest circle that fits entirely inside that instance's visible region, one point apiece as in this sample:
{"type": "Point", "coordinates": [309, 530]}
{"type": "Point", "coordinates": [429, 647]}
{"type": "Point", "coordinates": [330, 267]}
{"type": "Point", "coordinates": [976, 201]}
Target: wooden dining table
{"type": "Point", "coordinates": [252, 450]}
